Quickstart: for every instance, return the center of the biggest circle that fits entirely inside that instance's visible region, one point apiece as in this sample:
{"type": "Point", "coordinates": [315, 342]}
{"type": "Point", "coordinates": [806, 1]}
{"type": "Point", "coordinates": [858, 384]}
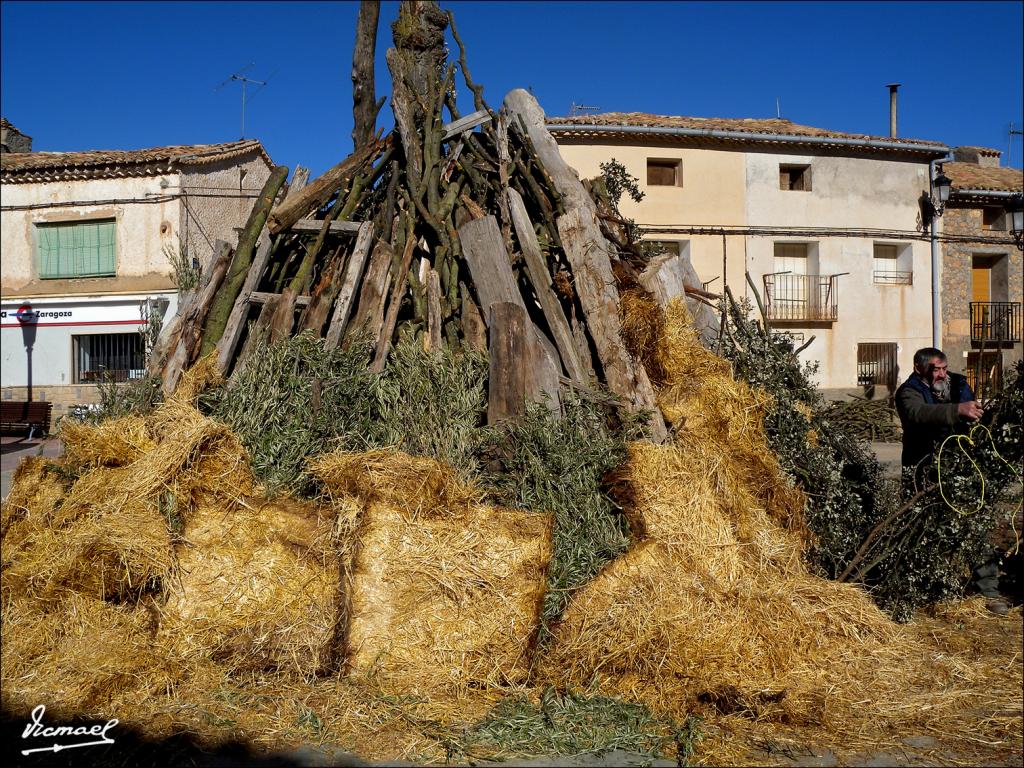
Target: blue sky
{"type": "Point", "coordinates": [119, 75]}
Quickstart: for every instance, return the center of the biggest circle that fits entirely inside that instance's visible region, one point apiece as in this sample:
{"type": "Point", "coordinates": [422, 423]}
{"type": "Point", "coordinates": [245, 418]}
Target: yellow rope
{"type": "Point", "coordinates": [969, 439]}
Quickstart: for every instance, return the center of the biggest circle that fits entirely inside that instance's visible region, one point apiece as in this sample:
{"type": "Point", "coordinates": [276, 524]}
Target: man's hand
{"type": "Point", "coordinates": [970, 410]}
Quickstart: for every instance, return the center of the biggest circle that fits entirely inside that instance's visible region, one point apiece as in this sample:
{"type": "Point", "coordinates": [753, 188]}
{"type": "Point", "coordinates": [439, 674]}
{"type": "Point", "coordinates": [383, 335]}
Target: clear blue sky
{"type": "Point", "coordinates": [114, 75]}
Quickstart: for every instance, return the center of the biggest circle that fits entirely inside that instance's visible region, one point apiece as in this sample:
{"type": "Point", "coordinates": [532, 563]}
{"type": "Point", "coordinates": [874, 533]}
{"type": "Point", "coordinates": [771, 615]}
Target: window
{"type": "Point", "coordinates": [664, 173]}
{"type": "Point", "coordinates": [876, 365]}
{"type": "Point", "coordinates": [795, 177]}
{"type": "Point", "coordinates": [893, 264]}
{"type": "Point", "coordinates": [666, 246]}
{"type": "Point", "coordinates": [791, 257]}
{"type": "Point", "coordinates": [120, 355]}
{"type": "Point", "coordinates": [993, 218]}
{"type": "Point", "coordinates": [76, 249]}
{"type": "Point", "coordinates": [984, 372]}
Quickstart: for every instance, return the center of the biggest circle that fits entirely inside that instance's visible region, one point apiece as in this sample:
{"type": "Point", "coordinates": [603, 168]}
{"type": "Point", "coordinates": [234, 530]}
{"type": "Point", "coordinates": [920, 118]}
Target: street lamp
{"type": "Point", "coordinates": [941, 186]}
{"type": "Point", "coordinates": [1016, 211]}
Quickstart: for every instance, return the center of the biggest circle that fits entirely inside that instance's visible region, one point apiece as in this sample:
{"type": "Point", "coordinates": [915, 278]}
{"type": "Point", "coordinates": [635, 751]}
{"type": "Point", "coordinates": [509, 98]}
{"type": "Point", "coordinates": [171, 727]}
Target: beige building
{"type": "Point", "coordinates": [982, 278]}
{"type": "Point", "coordinates": [87, 239]}
{"type": "Point", "coordinates": [828, 225]}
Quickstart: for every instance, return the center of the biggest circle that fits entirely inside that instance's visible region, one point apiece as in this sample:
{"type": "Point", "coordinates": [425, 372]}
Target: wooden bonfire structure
{"type": "Point", "coordinates": [468, 231]}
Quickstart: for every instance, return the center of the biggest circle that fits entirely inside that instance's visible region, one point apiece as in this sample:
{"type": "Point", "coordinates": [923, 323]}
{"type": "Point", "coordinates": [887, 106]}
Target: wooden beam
{"type": "Point", "coordinates": [313, 226]}
{"type": "Point", "coordinates": [190, 326]}
{"type": "Point", "coordinates": [236, 320]}
{"type": "Point", "coordinates": [467, 123]}
{"type": "Point", "coordinates": [300, 177]}
{"type": "Point", "coordinates": [432, 340]}
{"type": "Point", "coordinates": [473, 325]}
{"type": "Point", "coordinates": [671, 275]}
{"type": "Point", "coordinates": [588, 254]}
{"type": "Point", "coordinates": [369, 314]}
{"type": "Point", "coordinates": [511, 355]}
{"type": "Point", "coordinates": [380, 356]}
{"type": "Point", "coordinates": [489, 265]}
{"type": "Point", "coordinates": [545, 379]}
{"type": "Point", "coordinates": [262, 297]}
{"type": "Point", "coordinates": [318, 192]}
{"type": "Point", "coordinates": [579, 370]}
{"type": "Point", "coordinates": [351, 282]}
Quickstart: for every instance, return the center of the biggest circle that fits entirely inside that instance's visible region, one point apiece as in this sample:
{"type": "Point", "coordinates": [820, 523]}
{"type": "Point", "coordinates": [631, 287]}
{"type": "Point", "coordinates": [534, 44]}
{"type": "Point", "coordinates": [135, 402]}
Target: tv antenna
{"type": "Point", "coordinates": [1009, 142]}
{"type": "Point", "coordinates": [239, 76]}
{"type": "Point", "coordinates": [579, 109]}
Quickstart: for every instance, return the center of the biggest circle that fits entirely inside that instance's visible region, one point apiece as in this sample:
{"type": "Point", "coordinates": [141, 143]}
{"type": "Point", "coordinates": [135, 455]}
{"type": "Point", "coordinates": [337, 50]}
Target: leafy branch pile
{"type": "Point", "coordinates": [908, 552]}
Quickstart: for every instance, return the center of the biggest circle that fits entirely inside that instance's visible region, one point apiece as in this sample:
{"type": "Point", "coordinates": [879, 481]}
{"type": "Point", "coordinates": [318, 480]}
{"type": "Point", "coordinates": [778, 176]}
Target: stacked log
{"type": "Point", "coordinates": [468, 232]}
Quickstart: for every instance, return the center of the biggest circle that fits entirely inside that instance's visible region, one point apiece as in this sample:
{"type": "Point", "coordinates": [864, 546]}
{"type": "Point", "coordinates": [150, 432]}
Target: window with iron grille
{"type": "Point", "coordinates": [876, 365]}
{"type": "Point", "coordinates": [664, 173]}
{"type": "Point", "coordinates": [76, 249]}
{"type": "Point", "coordinates": [108, 356]}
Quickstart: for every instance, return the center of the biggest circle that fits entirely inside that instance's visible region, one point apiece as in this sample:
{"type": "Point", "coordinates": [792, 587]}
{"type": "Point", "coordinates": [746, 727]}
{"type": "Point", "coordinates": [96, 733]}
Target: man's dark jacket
{"type": "Point", "coordinates": [927, 422]}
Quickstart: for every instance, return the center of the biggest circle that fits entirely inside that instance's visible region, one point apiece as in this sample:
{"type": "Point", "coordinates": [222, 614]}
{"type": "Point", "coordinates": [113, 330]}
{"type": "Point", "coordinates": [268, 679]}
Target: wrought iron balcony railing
{"type": "Point", "coordinates": [882, 277]}
{"type": "Point", "coordinates": [996, 321]}
{"type": "Point", "coordinates": [810, 298]}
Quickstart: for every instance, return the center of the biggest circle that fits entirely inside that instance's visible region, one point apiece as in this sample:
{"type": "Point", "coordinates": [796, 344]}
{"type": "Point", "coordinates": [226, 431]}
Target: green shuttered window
{"type": "Point", "coordinates": [78, 249]}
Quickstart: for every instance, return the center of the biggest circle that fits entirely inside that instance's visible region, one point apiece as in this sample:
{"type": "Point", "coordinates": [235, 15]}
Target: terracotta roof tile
{"type": "Point", "coordinates": [773, 126]}
{"type": "Point", "coordinates": [971, 176]}
{"type": "Point", "coordinates": [23, 167]}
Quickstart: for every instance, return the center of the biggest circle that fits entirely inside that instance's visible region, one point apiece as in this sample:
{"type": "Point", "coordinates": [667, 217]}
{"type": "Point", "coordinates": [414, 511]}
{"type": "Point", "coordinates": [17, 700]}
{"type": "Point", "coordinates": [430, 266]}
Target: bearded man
{"type": "Point", "coordinates": [931, 403]}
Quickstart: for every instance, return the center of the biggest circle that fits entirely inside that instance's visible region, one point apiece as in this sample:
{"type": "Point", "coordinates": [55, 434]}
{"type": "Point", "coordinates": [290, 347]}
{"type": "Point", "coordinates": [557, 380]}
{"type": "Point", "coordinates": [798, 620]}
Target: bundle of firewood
{"type": "Point", "coordinates": [469, 231]}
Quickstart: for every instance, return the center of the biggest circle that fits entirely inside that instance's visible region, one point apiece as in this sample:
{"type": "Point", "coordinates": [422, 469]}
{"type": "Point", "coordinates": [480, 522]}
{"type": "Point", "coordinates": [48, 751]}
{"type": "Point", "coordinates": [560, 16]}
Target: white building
{"type": "Point", "coordinates": [828, 225]}
{"type": "Point", "coordinates": [86, 239]}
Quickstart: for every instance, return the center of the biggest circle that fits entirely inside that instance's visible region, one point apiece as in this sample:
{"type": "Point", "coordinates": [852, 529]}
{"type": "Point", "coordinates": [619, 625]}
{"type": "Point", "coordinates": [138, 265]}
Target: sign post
{"type": "Point", "coordinates": [27, 318]}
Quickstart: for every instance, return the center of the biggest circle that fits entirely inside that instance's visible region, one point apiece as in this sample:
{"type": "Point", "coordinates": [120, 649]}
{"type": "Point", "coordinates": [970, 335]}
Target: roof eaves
{"type": "Point", "coordinates": [934, 149]}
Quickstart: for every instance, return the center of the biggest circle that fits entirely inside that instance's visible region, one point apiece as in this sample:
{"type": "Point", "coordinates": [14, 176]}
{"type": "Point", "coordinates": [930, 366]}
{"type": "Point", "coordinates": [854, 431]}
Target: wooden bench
{"type": "Point", "coordinates": [17, 416]}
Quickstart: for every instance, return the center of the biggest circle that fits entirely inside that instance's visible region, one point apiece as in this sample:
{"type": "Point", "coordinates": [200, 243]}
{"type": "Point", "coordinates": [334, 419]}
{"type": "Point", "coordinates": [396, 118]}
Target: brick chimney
{"type": "Point", "coordinates": [983, 156]}
{"type": "Point", "coordinates": [13, 140]}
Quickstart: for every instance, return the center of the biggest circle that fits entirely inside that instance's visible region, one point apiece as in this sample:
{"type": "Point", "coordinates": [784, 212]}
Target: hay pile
{"type": "Point", "coordinates": [445, 592]}
{"type": "Point", "coordinates": [714, 611]}
{"type": "Point", "coordinates": [147, 577]}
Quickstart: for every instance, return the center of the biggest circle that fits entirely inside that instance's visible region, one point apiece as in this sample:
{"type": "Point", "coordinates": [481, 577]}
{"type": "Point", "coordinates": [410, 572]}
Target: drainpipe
{"type": "Point", "coordinates": [934, 232]}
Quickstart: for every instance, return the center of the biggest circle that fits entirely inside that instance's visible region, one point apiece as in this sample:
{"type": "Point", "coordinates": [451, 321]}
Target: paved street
{"type": "Point", "coordinates": [15, 449]}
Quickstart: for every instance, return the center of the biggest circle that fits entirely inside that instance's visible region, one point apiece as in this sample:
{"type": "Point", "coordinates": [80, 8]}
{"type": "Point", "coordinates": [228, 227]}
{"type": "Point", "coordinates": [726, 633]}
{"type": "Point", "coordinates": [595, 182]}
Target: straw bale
{"type": "Point", "coordinates": [414, 484]}
{"type": "Point", "coordinates": [258, 586]}
{"type": "Point", "coordinates": [442, 604]}
{"type": "Point", "coordinates": [114, 442]}
{"type": "Point", "coordinates": [719, 416]}
{"type": "Point", "coordinates": [37, 491]}
{"type": "Point", "coordinates": [82, 657]}
{"type": "Point", "coordinates": [662, 627]}
{"type": "Point", "coordinates": [116, 550]}
{"type": "Point", "coordinates": [698, 497]}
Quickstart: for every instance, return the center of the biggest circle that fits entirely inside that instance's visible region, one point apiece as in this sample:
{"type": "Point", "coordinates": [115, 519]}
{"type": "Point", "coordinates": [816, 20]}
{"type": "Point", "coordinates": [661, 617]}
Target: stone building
{"type": "Point", "coordinates": [828, 225]}
{"type": "Point", "coordinates": [88, 240]}
{"type": "Point", "coordinates": [981, 276]}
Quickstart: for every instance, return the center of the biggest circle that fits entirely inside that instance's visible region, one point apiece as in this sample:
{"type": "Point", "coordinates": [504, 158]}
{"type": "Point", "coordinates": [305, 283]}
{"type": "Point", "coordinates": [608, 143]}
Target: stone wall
{"type": "Point", "coordinates": [956, 281]}
{"type": "Point", "coordinates": [62, 397]}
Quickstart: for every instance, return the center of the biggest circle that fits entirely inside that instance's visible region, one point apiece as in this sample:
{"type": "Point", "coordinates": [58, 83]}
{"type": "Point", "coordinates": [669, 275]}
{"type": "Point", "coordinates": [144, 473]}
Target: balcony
{"type": "Point", "coordinates": [995, 321]}
{"type": "Point", "coordinates": [801, 298]}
